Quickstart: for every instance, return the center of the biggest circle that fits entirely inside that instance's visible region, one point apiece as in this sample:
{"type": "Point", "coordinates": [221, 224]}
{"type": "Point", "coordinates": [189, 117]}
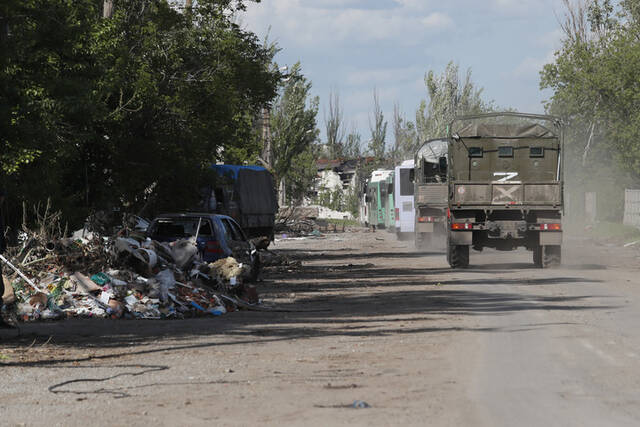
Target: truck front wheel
{"type": "Point", "coordinates": [458, 256]}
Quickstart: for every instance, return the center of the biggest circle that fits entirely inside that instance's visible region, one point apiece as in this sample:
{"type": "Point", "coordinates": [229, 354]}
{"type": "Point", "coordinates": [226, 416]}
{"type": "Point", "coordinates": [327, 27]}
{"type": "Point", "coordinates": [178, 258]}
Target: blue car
{"type": "Point", "coordinates": [219, 236]}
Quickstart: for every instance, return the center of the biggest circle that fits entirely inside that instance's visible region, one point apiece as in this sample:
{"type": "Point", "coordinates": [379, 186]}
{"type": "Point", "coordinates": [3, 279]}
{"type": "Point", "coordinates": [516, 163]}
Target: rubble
{"type": "Point", "coordinates": [130, 277]}
{"type": "Point", "coordinates": [309, 221]}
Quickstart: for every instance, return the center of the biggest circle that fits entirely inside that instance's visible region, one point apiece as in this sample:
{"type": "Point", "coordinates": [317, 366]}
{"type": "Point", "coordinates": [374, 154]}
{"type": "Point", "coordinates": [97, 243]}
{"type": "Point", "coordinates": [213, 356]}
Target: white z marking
{"type": "Point", "coordinates": [506, 176]}
{"type": "Point", "coordinates": [506, 193]}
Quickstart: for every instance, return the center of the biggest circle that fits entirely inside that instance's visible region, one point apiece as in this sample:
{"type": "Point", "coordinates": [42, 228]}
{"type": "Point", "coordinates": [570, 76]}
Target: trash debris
{"type": "Point", "coordinates": [8, 297]}
{"type": "Point", "coordinates": [131, 277]}
{"type": "Point", "coordinates": [360, 404]}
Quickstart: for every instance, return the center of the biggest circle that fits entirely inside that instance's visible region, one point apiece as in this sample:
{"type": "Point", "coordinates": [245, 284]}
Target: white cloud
{"type": "Point", "coordinates": [383, 76]}
{"type": "Point", "coordinates": [437, 21]}
{"type": "Point", "coordinates": [530, 67]}
{"type": "Point", "coordinates": [356, 45]}
{"type": "Point", "coordinates": [521, 8]}
{"type": "Point", "coordinates": [550, 40]}
{"type": "Point", "coordinates": [322, 22]}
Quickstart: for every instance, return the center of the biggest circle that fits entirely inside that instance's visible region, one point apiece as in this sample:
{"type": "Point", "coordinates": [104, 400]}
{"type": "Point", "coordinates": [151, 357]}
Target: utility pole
{"type": "Point", "coordinates": [267, 153]}
{"type": "Point", "coordinates": [107, 9]}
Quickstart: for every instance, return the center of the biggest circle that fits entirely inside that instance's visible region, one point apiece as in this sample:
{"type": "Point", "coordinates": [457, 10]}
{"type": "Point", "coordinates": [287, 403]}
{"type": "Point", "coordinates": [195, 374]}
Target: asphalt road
{"type": "Point", "coordinates": [498, 344]}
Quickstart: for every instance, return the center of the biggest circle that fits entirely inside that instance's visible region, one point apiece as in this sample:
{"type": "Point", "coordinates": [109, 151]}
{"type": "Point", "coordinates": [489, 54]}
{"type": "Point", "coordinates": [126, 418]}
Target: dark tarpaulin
{"type": "Point", "coordinates": [256, 191]}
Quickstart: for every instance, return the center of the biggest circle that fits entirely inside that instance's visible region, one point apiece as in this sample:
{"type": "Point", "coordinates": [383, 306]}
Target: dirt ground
{"type": "Point", "coordinates": [364, 318]}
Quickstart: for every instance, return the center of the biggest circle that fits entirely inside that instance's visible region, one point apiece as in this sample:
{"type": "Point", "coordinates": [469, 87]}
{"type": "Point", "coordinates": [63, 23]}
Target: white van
{"type": "Point", "coordinates": [403, 200]}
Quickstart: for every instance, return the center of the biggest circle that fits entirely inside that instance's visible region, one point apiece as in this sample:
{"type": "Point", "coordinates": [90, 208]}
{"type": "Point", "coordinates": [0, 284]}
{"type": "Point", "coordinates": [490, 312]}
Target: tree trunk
{"type": "Point", "coordinates": [107, 9]}
{"type": "Point", "coordinates": [587, 147]}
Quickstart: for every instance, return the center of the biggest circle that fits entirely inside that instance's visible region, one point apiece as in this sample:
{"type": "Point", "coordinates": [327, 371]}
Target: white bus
{"type": "Point", "coordinates": [403, 200]}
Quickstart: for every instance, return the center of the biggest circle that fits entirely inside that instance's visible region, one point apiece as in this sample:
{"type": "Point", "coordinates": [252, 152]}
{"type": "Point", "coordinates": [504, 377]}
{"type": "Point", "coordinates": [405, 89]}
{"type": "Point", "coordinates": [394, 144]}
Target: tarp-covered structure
{"type": "Point", "coordinates": [253, 186]}
{"type": "Point", "coordinates": [256, 191]}
{"type": "Point", "coordinates": [432, 151]}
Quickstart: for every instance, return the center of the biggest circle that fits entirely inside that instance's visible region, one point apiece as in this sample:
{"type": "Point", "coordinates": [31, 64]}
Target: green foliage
{"type": "Point", "coordinates": [406, 137]}
{"type": "Point", "coordinates": [594, 80]}
{"type": "Point", "coordinates": [448, 97]}
{"type": "Point", "coordinates": [332, 198]}
{"type": "Point", "coordinates": [293, 133]}
{"type": "Point", "coordinates": [352, 202]}
{"type": "Point", "coordinates": [301, 175]}
{"type": "Point", "coordinates": [352, 148]}
{"type": "Point", "coordinates": [343, 222]}
{"type": "Point", "coordinates": [94, 111]}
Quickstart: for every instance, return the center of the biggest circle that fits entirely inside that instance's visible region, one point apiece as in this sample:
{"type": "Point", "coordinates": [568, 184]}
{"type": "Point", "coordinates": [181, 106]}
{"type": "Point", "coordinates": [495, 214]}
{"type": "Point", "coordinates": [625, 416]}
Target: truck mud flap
{"type": "Point", "coordinates": [548, 238]}
{"type": "Point", "coordinates": [460, 237]}
{"type": "Point", "coordinates": [424, 227]}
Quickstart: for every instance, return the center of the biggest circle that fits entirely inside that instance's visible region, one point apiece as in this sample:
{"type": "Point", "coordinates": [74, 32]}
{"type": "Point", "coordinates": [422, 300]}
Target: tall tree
{"type": "Point", "coordinates": [334, 126]}
{"type": "Point", "coordinates": [405, 137]}
{"type": "Point", "coordinates": [353, 144]}
{"type": "Point", "coordinates": [378, 128]}
{"type": "Point", "coordinates": [594, 79]}
{"type": "Point", "coordinates": [448, 97]}
{"type": "Point", "coordinates": [294, 132]}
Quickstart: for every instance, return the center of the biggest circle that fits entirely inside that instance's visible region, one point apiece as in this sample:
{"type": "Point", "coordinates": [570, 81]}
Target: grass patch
{"type": "Point", "coordinates": [611, 231]}
{"type": "Point", "coordinates": [345, 222]}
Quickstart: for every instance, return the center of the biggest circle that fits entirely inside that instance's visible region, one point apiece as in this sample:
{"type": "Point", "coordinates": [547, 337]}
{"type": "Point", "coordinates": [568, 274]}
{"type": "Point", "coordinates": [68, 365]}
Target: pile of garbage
{"type": "Point", "coordinates": [119, 277]}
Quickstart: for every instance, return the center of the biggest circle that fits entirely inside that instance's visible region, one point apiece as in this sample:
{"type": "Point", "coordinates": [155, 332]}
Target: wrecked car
{"type": "Point", "coordinates": [217, 236]}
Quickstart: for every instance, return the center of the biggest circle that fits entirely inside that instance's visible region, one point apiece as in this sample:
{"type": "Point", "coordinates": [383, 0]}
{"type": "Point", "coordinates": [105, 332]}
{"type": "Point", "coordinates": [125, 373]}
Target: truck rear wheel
{"type": "Point", "coordinates": [458, 256]}
{"type": "Point", "coordinates": [551, 256]}
{"type": "Point", "coordinates": [537, 256]}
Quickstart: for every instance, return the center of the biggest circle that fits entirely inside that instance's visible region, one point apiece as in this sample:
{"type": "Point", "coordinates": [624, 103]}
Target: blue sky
{"type": "Point", "coordinates": [353, 46]}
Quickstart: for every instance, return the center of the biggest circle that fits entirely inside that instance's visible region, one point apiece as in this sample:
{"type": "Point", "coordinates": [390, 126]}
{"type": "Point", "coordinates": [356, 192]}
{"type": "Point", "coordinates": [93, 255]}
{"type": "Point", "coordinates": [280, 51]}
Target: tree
{"type": "Point", "coordinates": [334, 126]}
{"type": "Point", "coordinates": [353, 144]}
{"type": "Point", "coordinates": [302, 175]}
{"type": "Point", "coordinates": [448, 97]}
{"type": "Point", "coordinates": [95, 111]}
{"type": "Point", "coordinates": [594, 82]}
{"type": "Point", "coordinates": [405, 137]}
{"type": "Point", "coordinates": [378, 127]}
{"type": "Point", "coordinates": [293, 133]}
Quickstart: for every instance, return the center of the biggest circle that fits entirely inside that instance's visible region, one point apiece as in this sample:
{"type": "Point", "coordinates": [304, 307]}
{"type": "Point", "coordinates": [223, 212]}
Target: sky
{"type": "Point", "coordinates": [354, 46]}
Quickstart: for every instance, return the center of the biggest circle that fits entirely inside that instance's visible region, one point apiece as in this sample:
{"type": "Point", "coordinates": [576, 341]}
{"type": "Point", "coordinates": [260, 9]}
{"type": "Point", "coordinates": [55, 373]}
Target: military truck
{"type": "Point", "coordinates": [430, 193]}
{"type": "Point", "coordinates": [505, 187]}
